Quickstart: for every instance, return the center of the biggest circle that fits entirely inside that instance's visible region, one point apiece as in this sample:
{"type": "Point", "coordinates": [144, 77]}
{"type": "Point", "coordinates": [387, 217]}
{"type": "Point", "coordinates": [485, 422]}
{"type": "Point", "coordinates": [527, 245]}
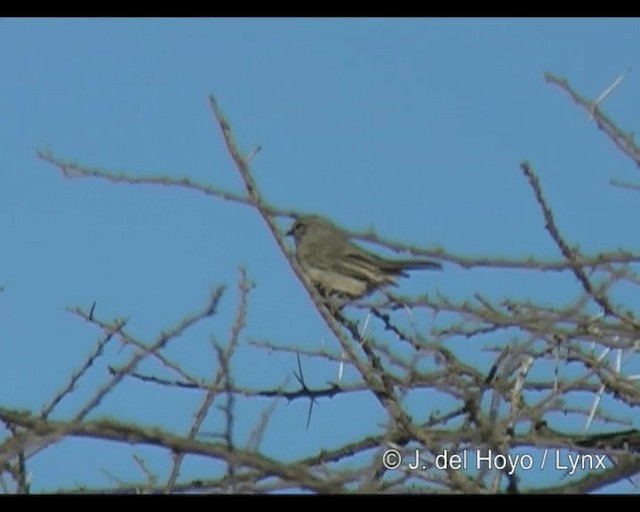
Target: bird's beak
{"type": "Point", "coordinates": [291, 229]}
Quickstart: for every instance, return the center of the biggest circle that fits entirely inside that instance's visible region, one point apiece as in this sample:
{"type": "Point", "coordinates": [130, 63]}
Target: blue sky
{"type": "Point", "coordinates": [413, 127]}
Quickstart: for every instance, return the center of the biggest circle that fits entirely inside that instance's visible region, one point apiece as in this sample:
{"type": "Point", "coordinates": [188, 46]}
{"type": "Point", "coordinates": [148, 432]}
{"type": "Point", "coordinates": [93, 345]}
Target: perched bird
{"type": "Point", "coordinates": [337, 266]}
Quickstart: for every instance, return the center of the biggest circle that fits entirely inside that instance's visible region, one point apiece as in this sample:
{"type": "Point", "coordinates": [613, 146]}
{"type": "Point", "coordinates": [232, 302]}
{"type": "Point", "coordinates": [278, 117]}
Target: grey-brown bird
{"type": "Point", "coordinates": [337, 266]}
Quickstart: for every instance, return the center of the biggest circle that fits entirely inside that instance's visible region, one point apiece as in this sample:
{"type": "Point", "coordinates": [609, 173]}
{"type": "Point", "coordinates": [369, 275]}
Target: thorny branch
{"type": "Point", "coordinates": [480, 374]}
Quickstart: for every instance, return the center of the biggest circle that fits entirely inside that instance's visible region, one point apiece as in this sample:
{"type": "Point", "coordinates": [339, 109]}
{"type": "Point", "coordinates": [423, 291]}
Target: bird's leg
{"type": "Point", "coordinates": [334, 302]}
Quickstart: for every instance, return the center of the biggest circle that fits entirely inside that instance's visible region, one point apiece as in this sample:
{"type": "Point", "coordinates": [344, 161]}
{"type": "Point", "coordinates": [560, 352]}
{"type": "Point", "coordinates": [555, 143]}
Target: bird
{"type": "Point", "coordinates": [338, 267]}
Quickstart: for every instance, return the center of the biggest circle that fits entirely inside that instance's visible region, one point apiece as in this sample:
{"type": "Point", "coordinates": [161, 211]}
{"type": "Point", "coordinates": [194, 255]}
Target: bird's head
{"type": "Point", "coordinates": [297, 229]}
{"type": "Point", "coordinates": [304, 223]}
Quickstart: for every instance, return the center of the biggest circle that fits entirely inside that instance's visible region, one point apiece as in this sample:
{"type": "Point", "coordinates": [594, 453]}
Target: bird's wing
{"type": "Point", "coordinates": [359, 263]}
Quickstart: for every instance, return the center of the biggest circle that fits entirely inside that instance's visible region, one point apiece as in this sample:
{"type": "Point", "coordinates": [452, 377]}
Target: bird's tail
{"type": "Point", "coordinates": [424, 264]}
{"type": "Point", "coordinates": [399, 266]}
